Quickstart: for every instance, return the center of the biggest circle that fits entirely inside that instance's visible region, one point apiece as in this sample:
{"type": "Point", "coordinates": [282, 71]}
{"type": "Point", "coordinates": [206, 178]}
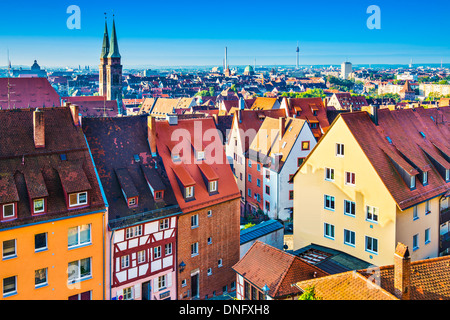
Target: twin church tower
{"type": "Point", "coordinates": [110, 71]}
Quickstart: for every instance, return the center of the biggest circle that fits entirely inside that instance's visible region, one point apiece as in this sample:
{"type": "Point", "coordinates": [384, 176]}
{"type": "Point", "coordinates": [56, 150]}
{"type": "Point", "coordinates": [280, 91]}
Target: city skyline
{"type": "Point", "coordinates": [195, 34]}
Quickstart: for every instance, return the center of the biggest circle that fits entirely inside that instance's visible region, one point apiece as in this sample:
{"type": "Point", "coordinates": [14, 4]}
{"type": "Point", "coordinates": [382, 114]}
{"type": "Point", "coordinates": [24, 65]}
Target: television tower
{"type": "Point", "coordinates": [298, 53]}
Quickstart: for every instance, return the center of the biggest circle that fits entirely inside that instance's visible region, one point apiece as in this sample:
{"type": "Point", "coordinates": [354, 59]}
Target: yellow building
{"type": "Point", "coordinates": [52, 212]}
{"type": "Point", "coordinates": [376, 179]}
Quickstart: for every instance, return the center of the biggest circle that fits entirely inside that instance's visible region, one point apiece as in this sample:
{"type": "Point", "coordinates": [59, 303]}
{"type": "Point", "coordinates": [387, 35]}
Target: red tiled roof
{"type": "Point", "coordinates": [306, 106]}
{"type": "Point", "coordinates": [266, 265]}
{"type": "Point", "coordinates": [28, 93]}
{"type": "Point", "coordinates": [190, 129]}
{"type": "Point", "coordinates": [28, 167]}
{"type": "Point", "coordinates": [403, 128]}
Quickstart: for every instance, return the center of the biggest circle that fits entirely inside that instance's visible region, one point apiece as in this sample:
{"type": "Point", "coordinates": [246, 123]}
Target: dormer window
{"type": "Point", "coordinates": [9, 211]}
{"type": "Point", "coordinates": [189, 192]}
{"type": "Point", "coordinates": [132, 202]}
{"type": "Point", "coordinates": [447, 175]}
{"type": "Point", "coordinates": [200, 155]}
{"type": "Point", "coordinates": [213, 186]}
{"type": "Point", "coordinates": [38, 206]}
{"type": "Point", "coordinates": [78, 199]}
{"type": "Point", "coordinates": [159, 195]}
{"type": "Point", "coordinates": [412, 184]}
{"type": "Point", "coordinates": [424, 178]}
{"type": "Point", "coordinates": [176, 158]}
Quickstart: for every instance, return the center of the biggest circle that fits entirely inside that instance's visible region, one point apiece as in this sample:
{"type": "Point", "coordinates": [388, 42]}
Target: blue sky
{"type": "Point", "coordinates": [174, 33]}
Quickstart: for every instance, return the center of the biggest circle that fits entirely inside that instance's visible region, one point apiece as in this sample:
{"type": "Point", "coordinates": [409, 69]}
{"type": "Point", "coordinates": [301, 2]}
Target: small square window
{"type": "Point", "coordinates": [305, 145]}
{"type": "Point", "coordinates": [9, 210]}
{"type": "Point", "coordinates": [339, 149]}
{"type": "Point", "coordinates": [39, 206]}
{"type": "Point", "coordinates": [40, 242]}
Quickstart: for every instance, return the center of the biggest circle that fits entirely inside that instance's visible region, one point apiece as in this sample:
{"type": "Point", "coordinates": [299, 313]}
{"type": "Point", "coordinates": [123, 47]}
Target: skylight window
{"type": "Point", "coordinates": [389, 140]}
{"type": "Point", "coordinates": [63, 157]}
{"type": "Point", "coordinates": [136, 158]}
{"type": "Point", "coordinates": [422, 134]}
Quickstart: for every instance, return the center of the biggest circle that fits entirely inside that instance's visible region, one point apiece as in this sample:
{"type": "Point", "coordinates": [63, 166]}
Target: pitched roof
{"type": "Point", "coordinates": [27, 93]}
{"type": "Point", "coordinates": [263, 103]}
{"type": "Point", "coordinates": [405, 150]}
{"type": "Point", "coordinates": [249, 121]}
{"type": "Point", "coordinates": [120, 144]}
{"type": "Point", "coordinates": [94, 106]}
{"type": "Point", "coordinates": [266, 265]}
{"type": "Point", "coordinates": [304, 108]}
{"type": "Point", "coordinates": [185, 135]}
{"type": "Point", "coordinates": [428, 280]}
{"type": "Point", "coordinates": [260, 230]}
{"type": "Point", "coordinates": [33, 173]}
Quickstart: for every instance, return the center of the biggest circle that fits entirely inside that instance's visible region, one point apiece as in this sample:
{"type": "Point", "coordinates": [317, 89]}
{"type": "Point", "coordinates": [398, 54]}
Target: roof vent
{"type": "Point", "coordinates": [389, 140]}
{"type": "Point", "coordinates": [422, 134]}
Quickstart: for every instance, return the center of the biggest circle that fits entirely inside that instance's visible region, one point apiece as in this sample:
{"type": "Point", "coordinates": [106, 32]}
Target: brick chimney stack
{"type": "Point", "coordinates": [402, 272]}
{"type": "Point", "coordinates": [152, 135]}
{"type": "Point", "coordinates": [75, 111]}
{"type": "Point", "coordinates": [39, 128]}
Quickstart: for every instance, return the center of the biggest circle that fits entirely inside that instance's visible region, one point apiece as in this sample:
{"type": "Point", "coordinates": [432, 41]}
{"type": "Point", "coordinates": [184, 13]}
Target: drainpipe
{"type": "Point", "coordinates": [110, 258]}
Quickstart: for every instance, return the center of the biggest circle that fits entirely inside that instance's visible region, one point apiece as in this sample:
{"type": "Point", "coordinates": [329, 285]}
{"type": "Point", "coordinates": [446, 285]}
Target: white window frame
{"type": "Point", "coordinates": [164, 224]}
{"type": "Point", "coordinates": [209, 272]}
{"type": "Point", "coordinates": [14, 210]}
{"type": "Point", "coordinates": [79, 243]}
{"type": "Point", "coordinates": [133, 232]}
{"type": "Point", "coordinates": [332, 201]}
{"type": "Point", "coordinates": [352, 175]}
{"type": "Point", "coordinates": [79, 203]}
{"type": "Point", "coordinates": [194, 221]}
{"type": "Point", "coordinates": [11, 255]}
{"type": "Point", "coordinates": [427, 235]}
{"type": "Point", "coordinates": [168, 249]}
{"type": "Point", "coordinates": [131, 202]}
{"type": "Point", "coordinates": [371, 213]}
{"type": "Point", "coordinates": [46, 242]}
{"type": "Point", "coordinates": [43, 206]}
{"type": "Point", "coordinates": [157, 252]}
{"type": "Point", "coordinates": [220, 263]}
{"type": "Point", "coordinates": [43, 284]}
{"type": "Point", "coordinates": [209, 213]}
{"type": "Point", "coordinates": [12, 292]}
{"type": "Point", "coordinates": [425, 178]}
{"type": "Point", "coordinates": [213, 186]}
{"type": "Point", "coordinates": [162, 282]}
{"type": "Point", "coordinates": [189, 192]}
{"type": "Point", "coordinates": [125, 261]}
{"type": "Point", "coordinates": [340, 150]}
{"type": "Point", "coordinates": [350, 214]}
{"type": "Point", "coordinates": [372, 241]}
{"type": "Point", "coordinates": [194, 249]}
{"type": "Point", "coordinates": [415, 213]}
{"type": "Point", "coordinates": [413, 182]}
{"type": "Point", "coordinates": [328, 231]}
{"type": "Point", "coordinates": [329, 174]}
{"type": "Point", "coordinates": [351, 235]}
{"type": "Point", "coordinates": [141, 256]}
{"type": "Point", "coordinates": [416, 240]}
{"type": "Point", "coordinates": [80, 277]}
{"type": "Point", "coordinates": [427, 207]}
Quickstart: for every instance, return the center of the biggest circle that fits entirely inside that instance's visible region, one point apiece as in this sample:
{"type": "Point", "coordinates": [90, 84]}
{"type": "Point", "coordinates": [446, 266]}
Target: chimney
{"type": "Point", "coordinates": [373, 111]}
{"type": "Point", "coordinates": [152, 135]}
{"type": "Point", "coordinates": [282, 127]}
{"type": "Point", "coordinates": [402, 272]}
{"type": "Point", "coordinates": [74, 110]}
{"type": "Point", "coordinates": [39, 128]}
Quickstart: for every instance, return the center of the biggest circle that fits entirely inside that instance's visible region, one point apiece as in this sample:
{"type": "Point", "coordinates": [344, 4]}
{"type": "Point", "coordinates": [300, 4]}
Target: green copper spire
{"type": "Point", "coordinates": [105, 47]}
{"type": "Point", "coordinates": [114, 46]}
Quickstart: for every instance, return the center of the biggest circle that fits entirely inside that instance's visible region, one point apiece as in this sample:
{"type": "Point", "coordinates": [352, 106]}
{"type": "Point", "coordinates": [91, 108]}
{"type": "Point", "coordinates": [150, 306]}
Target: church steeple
{"type": "Point", "coordinates": [114, 45]}
{"type": "Point", "coordinates": [105, 47]}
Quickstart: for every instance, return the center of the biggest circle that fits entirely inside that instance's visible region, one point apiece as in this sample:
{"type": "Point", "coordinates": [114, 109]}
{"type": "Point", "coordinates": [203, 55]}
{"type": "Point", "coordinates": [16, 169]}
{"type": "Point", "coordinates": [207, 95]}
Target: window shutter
{"type": "Point", "coordinates": [169, 280]}
{"type": "Point", "coordinates": [137, 291]}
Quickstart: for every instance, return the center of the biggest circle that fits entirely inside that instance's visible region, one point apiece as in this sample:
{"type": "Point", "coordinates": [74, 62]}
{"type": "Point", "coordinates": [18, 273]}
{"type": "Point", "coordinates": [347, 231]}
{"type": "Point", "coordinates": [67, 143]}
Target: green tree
{"type": "Point", "coordinates": [309, 294]}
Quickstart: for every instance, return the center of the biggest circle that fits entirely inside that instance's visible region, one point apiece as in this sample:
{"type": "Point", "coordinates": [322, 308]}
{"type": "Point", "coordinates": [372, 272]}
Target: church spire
{"type": "Point", "coordinates": [114, 45]}
{"type": "Point", "coordinates": [105, 47]}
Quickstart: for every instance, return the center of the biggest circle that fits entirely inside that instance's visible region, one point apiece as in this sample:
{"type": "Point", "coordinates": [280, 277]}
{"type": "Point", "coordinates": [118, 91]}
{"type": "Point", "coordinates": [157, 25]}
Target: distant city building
{"type": "Point", "coordinates": [346, 70]}
{"type": "Point", "coordinates": [407, 76]}
{"type": "Point", "coordinates": [110, 70]}
{"type": "Point", "coordinates": [34, 72]}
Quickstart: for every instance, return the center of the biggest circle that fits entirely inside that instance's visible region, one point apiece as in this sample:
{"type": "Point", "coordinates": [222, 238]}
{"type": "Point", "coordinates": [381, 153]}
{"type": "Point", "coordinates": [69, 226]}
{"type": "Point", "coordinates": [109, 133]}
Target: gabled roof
{"type": "Point", "coordinates": [94, 106]}
{"type": "Point", "coordinates": [266, 265]}
{"type": "Point", "coordinates": [186, 136]}
{"type": "Point", "coordinates": [25, 93]}
{"type": "Point", "coordinates": [304, 108]}
{"type": "Point", "coordinates": [120, 144]}
{"type": "Point", "coordinates": [263, 103]}
{"type": "Point", "coordinates": [267, 141]}
{"type": "Point", "coordinates": [28, 173]}
{"type": "Point", "coordinates": [404, 127]}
